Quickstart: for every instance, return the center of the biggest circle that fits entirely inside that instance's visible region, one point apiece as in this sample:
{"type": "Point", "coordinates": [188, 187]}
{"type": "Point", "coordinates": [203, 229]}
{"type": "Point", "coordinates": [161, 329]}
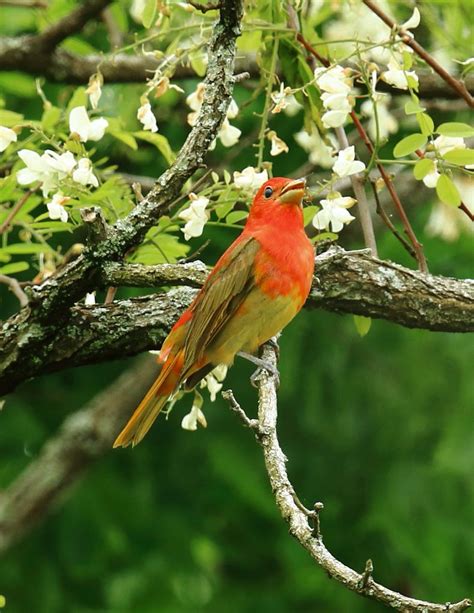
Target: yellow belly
{"type": "Point", "coordinates": [258, 319]}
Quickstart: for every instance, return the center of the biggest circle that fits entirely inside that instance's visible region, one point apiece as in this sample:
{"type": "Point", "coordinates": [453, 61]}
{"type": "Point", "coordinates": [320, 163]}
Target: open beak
{"type": "Point", "coordinates": [293, 192]}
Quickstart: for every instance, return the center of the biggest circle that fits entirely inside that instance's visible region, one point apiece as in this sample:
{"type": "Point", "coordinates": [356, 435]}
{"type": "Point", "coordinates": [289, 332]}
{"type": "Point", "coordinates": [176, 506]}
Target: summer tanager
{"type": "Point", "coordinates": [256, 288]}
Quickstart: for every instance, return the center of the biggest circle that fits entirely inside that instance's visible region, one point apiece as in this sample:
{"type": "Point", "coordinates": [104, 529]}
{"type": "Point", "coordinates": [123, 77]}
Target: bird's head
{"type": "Point", "coordinates": [282, 191]}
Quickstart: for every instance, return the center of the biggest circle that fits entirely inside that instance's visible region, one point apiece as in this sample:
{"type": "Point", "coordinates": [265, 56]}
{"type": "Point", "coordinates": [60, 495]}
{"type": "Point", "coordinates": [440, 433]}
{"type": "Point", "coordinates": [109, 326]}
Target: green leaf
{"type": "Point", "coordinates": [50, 118]}
{"type": "Point", "coordinates": [460, 157]}
{"type": "Point", "coordinates": [447, 191]}
{"type": "Point", "coordinates": [224, 208]}
{"type": "Point", "coordinates": [198, 62]}
{"type": "Point", "coordinates": [308, 213]}
{"type": "Point", "coordinates": [454, 128]}
{"type": "Point", "coordinates": [79, 98]}
{"type": "Point", "coordinates": [149, 13]}
{"type": "Point", "coordinates": [160, 142]}
{"type": "Point", "coordinates": [426, 123]}
{"type": "Point", "coordinates": [22, 248]}
{"type": "Point", "coordinates": [412, 82]}
{"type": "Point", "coordinates": [15, 267]}
{"type": "Point", "coordinates": [412, 108]}
{"type": "Point", "coordinates": [236, 216]}
{"type": "Point", "coordinates": [9, 118]}
{"type": "Point", "coordinates": [124, 137]}
{"type": "Point", "coordinates": [409, 144]}
{"type": "Point", "coordinates": [422, 168]}
{"type": "Point", "coordinates": [362, 324]}
{"type": "Point", "coordinates": [18, 84]}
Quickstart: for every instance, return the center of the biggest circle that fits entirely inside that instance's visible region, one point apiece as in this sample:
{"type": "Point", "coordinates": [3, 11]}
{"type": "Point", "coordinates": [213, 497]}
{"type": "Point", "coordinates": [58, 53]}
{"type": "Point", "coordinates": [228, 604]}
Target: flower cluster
{"type": "Point", "coordinates": [284, 100]}
{"type": "Point", "coordinates": [336, 85]}
{"type": "Point", "coordinates": [319, 152]}
{"type": "Point", "coordinates": [228, 134]}
{"type": "Point", "coordinates": [213, 382]}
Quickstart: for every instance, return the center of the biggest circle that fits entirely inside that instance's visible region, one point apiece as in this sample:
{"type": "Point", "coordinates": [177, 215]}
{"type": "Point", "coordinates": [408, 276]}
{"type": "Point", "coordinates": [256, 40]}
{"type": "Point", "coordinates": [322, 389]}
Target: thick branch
{"type": "Point", "coordinates": [297, 516]}
{"type": "Point", "coordinates": [344, 283]}
{"type": "Point", "coordinates": [83, 437]}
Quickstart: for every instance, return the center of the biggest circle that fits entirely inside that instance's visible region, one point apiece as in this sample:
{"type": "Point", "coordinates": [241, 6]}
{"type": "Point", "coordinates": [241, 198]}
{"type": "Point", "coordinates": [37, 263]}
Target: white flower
{"type": "Point", "coordinates": [35, 169]}
{"type": "Point", "coordinates": [56, 209]}
{"type": "Point", "coordinates": [333, 80]}
{"type": "Point", "coordinates": [136, 10]}
{"type": "Point", "coordinates": [284, 99]}
{"type": "Point", "coordinates": [194, 101]}
{"type": "Point", "coordinates": [334, 119]}
{"type": "Point", "coordinates": [90, 298]}
{"type": "Point", "coordinates": [7, 136]}
{"type": "Point", "coordinates": [447, 143]}
{"type": "Point", "coordinates": [80, 124]}
{"type": "Point", "coordinates": [431, 179]}
{"type": "Point", "coordinates": [163, 85]}
{"type": "Point", "coordinates": [49, 169]}
{"type": "Point", "coordinates": [61, 163]}
{"type": "Point", "coordinates": [195, 415]}
{"type": "Point", "coordinates": [83, 173]}
{"type": "Point", "coordinates": [336, 102]}
{"type": "Point", "coordinates": [413, 22]}
{"type": "Point", "coordinates": [249, 179]}
{"type": "Point", "coordinates": [346, 164]}
{"type": "Point", "coordinates": [334, 213]}
{"type": "Point", "coordinates": [447, 221]}
{"type": "Point", "coordinates": [319, 153]}
{"type": "Point", "coordinates": [398, 77]}
{"type": "Point", "coordinates": [213, 381]}
{"type": "Point", "coordinates": [233, 110]}
{"type": "Point", "coordinates": [278, 145]}
{"type": "Point", "coordinates": [195, 216]}
{"type": "Point", "coordinates": [229, 135]}
{"type": "Point", "coordinates": [94, 89]}
{"type": "Point", "coordinates": [146, 117]}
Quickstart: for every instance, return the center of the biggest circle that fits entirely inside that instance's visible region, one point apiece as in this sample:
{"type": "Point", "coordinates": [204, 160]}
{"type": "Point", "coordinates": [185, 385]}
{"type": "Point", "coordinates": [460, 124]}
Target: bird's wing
{"type": "Point", "coordinates": [224, 291]}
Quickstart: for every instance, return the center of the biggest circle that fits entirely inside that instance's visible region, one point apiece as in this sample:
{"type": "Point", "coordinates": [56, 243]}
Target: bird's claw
{"type": "Point", "coordinates": [273, 372]}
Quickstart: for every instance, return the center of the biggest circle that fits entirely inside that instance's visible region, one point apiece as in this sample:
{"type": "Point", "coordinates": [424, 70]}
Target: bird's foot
{"type": "Point", "coordinates": [262, 365]}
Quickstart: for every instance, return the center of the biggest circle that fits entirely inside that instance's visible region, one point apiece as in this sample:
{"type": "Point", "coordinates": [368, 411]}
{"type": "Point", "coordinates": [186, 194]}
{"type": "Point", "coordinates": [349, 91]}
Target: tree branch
{"type": "Point", "coordinates": [83, 438]}
{"type": "Point", "coordinates": [345, 283]}
{"type": "Point", "coordinates": [298, 518]}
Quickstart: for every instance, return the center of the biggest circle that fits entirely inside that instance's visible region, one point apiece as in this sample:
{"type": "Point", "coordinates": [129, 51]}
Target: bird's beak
{"type": "Point", "coordinates": [293, 192]}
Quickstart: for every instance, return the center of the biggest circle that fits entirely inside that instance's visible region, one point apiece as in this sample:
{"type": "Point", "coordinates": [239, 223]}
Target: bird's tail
{"type": "Point", "coordinates": [155, 399]}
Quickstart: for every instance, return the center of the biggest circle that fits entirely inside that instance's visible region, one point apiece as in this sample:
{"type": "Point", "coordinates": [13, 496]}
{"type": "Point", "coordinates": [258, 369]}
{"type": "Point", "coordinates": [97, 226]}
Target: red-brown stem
{"type": "Point", "coordinates": [420, 256]}
{"type": "Point", "coordinates": [6, 224]}
{"type": "Point", "coordinates": [421, 52]}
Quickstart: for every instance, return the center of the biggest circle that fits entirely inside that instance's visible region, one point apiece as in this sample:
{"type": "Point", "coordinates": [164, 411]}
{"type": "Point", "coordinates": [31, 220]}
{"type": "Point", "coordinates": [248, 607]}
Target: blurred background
{"type": "Point", "coordinates": [378, 428]}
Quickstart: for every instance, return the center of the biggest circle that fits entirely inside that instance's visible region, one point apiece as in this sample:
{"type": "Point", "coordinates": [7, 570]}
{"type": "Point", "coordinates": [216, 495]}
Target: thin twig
{"type": "Point", "coordinates": [14, 211]}
{"type": "Point", "coordinates": [204, 8]}
{"type": "Point", "coordinates": [297, 518]}
{"type": "Point", "coordinates": [15, 289]}
{"type": "Point", "coordinates": [385, 218]}
{"type": "Point", "coordinates": [408, 39]}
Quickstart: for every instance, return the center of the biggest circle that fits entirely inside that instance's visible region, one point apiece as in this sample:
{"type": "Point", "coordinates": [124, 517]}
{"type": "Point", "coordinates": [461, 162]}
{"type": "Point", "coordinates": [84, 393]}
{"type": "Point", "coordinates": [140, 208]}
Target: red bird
{"type": "Point", "coordinates": [256, 288]}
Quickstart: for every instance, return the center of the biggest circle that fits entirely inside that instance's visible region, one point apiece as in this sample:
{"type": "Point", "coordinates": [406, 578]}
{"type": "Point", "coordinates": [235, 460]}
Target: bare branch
{"type": "Point", "coordinates": [82, 439]}
{"type": "Point", "coordinates": [344, 283]}
{"type": "Point", "coordinates": [298, 518]}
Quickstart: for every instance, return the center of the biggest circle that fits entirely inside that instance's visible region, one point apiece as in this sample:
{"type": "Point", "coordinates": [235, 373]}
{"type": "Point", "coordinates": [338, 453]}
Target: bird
{"type": "Point", "coordinates": [255, 289]}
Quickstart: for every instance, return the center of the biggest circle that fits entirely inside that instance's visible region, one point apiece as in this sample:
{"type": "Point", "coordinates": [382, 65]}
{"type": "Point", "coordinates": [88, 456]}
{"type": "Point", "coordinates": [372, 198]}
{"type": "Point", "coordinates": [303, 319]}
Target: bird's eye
{"type": "Point", "coordinates": [268, 192]}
